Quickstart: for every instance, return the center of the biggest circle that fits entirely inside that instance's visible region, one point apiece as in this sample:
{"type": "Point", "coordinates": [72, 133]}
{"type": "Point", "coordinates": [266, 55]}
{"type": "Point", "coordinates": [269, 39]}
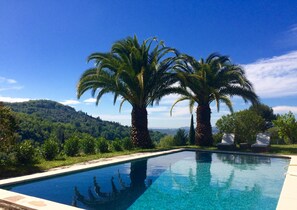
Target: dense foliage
{"type": "Point", "coordinates": [244, 124]}
{"type": "Point", "coordinates": [8, 127]}
{"type": "Point", "coordinates": [180, 138]}
{"type": "Point", "coordinates": [40, 119]}
{"type": "Point", "coordinates": [71, 146]}
{"type": "Point", "coordinates": [287, 127]}
{"type": "Point", "coordinates": [25, 152]}
{"type": "Point", "coordinates": [50, 149]}
{"type": "Point", "coordinates": [166, 141]}
{"type": "Point", "coordinates": [47, 130]}
{"type": "Point", "coordinates": [265, 112]}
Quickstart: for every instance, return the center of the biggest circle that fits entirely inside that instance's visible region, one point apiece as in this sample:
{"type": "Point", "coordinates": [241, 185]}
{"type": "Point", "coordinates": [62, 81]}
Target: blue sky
{"type": "Point", "coordinates": [44, 45]}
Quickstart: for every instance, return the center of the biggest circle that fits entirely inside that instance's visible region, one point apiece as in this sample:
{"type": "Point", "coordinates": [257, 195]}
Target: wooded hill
{"type": "Point", "coordinates": [39, 119]}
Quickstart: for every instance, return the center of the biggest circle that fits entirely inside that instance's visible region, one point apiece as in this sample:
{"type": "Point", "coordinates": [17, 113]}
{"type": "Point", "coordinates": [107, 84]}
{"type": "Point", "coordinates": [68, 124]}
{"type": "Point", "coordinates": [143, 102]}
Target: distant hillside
{"type": "Point", "coordinates": [39, 119]}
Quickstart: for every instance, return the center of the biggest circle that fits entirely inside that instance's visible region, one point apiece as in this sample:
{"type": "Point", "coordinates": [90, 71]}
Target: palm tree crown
{"type": "Point", "coordinates": [205, 81]}
{"type": "Point", "coordinates": [139, 73]}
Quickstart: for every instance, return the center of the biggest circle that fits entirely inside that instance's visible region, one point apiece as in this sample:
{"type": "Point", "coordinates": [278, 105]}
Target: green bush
{"type": "Point", "coordinates": [217, 138]}
{"type": "Point", "coordinates": [7, 159]}
{"type": "Point", "coordinates": [87, 144]}
{"type": "Point", "coordinates": [71, 146]}
{"type": "Point", "coordinates": [50, 149]}
{"type": "Point", "coordinates": [115, 145]}
{"type": "Point", "coordinates": [286, 125]}
{"type": "Point", "coordinates": [25, 152]}
{"type": "Point", "coordinates": [102, 145]}
{"type": "Point", "coordinates": [127, 144]}
{"type": "Point", "coordinates": [244, 124]}
{"type": "Point", "coordinates": [180, 138]}
{"type": "Point", "coordinates": [167, 141]}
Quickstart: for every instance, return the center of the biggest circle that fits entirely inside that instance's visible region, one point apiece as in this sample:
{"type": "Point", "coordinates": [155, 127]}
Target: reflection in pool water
{"type": "Point", "coordinates": [118, 198]}
{"type": "Point", "coordinates": [185, 180]}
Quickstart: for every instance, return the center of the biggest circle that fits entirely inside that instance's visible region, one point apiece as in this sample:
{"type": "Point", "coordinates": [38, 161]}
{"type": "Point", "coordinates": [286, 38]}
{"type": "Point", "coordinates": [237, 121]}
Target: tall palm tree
{"type": "Point", "coordinates": [214, 79]}
{"type": "Point", "coordinates": [140, 74]}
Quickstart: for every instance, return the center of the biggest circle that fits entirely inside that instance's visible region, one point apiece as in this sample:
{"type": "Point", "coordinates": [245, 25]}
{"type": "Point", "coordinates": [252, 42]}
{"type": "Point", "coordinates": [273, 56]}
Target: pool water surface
{"type": "Point", "coordinates": [183, 180]}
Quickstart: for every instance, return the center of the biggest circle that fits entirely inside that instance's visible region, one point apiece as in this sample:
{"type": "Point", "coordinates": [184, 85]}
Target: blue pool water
{"type": "Point", "coordinates": [184, 180]}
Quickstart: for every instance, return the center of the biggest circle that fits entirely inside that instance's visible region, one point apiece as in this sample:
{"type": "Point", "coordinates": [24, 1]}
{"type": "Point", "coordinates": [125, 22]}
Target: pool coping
{"type": "Point", "coordinates": [21, 201]}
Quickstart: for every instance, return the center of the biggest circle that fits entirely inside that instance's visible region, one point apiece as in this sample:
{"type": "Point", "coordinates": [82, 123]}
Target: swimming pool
{"type": "Point", "coordinates": [184, 180]}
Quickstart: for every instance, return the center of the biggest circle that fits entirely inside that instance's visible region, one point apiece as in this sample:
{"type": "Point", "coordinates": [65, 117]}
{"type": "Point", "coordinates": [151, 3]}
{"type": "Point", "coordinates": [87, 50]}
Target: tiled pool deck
{"type": "Point", "coordinates": [287, 199]}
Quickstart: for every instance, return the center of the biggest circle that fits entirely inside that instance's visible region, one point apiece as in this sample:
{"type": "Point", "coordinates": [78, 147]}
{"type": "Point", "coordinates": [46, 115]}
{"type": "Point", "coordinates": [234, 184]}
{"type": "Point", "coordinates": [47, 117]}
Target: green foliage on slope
{"type": "Point", "coordinates": [40, 119]}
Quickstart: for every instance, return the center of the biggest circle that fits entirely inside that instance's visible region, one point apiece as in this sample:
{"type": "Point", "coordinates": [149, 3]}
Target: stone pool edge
{"type": "Point", "coordinates": [286, 201]}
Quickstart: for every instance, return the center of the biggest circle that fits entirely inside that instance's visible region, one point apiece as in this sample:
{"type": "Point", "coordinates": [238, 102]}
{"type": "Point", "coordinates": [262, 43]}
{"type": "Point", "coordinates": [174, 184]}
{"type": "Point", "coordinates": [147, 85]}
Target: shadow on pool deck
{"type": "Point", "coordinates": [21, 170]}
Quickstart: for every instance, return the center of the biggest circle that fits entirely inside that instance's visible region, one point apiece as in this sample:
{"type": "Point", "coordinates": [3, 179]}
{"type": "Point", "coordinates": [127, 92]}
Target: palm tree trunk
{"type": "Point", "coordinates": [139, 132]}
{"type": "Point", "coordinates": [203, 134]}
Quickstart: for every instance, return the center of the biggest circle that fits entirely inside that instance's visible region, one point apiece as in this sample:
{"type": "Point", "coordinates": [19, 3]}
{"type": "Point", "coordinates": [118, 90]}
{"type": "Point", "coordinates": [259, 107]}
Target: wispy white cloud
{"type": "Point", "coordinates": [8, 84]}
{"type": "Point", "coordinates": [11, 88]}
{"type": "Point", "coordinates": [90, 100]}
{"type": "Point", "coordinates": [274, 77]}
{"type": "Point", "coordinates": [70, 102]}
{"type": "Point", "coordinates": [169, 99]}
{"type": "Point", "coordinates": [293, 29]}
{"type": "Point", "coordinates": [7, 80]}
{"type": "Point", "coordinates": [180, 111]}
{"type": "Point", "coordinates": [288, 39]}
{"type": "Point", "coordinates": [13, 100]}
{"type": "Point", "coordinates": [284, 109]}
{"type": "Point", "coordinates": [151, 110]}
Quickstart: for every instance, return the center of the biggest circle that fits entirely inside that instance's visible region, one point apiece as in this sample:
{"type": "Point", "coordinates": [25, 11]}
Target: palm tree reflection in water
{"type": "Point", "coordinates": [185, 185]}
{"type": "Point", "coordinates": [118, 198]}
{"type": "Point", "coordinates": [197, 189]}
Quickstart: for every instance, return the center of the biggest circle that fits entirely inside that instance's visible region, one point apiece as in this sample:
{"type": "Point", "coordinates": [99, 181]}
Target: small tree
{"type": "Point", "coordinates": [127, 144]}
{"type": "Point", "coordinates": [266, 112]}
{"type": "Point", "coordinates": [25, 152]}
{"type": "Point", "coordinates": [115, 145]}
{"type": "Point", "coordinates": [166, 141]}
{"type": "Point", "coordinates": [102, 145]}
{"type": "Point", "coordinates": [71, 146]}
{"type": "Point", "coordinates": [50, 149]}
{"type": "Point", "coordinates": [226, 124]}
{"type": "Point", "coordinates": [247, 125]}
{"type": "Point", "coordinates": [192, 132]}
{"type": "Point", "coordinates": [88, 144]}
{"type": "Point", "coordinates": [287, 127]}
{"type": "Point", "coordinates": [180, 137]}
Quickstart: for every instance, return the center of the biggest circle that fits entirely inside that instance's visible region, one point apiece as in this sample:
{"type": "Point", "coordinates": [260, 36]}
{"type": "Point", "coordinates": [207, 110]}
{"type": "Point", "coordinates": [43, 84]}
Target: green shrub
{"type": "Point", "coordinates": [217, 138]}
{"type": "Point", "coordinates": [25, 152]}
{"type": "Point", "coordinates": [71, 146]}
{"type": "Point", "coordinates": [167, 141]}
{"type": "Point", "coordinates": [102, 145]}
{"type": "Point", "coordinates": [274, 137]}
{"type": "Point", "coordinates": [244, 124]}
{"type": "Point", "coordinates": [7, 159]}
{"type": "Point", "coordinates": [115, 145]}
{"type": "Point", "coordinates": [50, 149]}
{"type": "Point", "coordinates": [127, 144]}
{"type": "Point", "coordinates": [180, 138]}
{"type": "Point", "coordinates": [87, 144]}
{"type": "Point", "coordinates": [286, 125]}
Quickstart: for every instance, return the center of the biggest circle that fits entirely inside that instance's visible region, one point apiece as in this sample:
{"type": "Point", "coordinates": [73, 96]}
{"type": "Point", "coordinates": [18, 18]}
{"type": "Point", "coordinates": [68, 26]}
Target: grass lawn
{"type": "Point", "coordinates": [12, 171]}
